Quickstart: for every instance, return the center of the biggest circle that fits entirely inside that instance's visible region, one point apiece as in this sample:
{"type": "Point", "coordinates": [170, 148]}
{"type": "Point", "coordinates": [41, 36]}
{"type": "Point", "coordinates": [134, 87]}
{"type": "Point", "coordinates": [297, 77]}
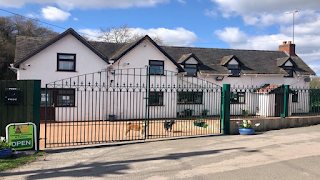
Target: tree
{"type": "Point", "coordinates": [123, 34]}
{"type": "Point", "coordinates": [315, 82]}
{"type": "Point", "coordinates": [10, 28]}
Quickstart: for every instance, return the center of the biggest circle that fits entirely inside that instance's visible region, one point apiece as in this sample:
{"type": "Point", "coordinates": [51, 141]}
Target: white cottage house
{"type": "Point", "coordinates": [70, 55]}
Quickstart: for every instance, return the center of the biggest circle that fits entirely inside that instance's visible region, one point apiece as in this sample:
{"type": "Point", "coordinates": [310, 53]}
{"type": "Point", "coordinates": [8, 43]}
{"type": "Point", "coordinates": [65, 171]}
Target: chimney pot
{"type": "Point", "coordinates": [289, 48]}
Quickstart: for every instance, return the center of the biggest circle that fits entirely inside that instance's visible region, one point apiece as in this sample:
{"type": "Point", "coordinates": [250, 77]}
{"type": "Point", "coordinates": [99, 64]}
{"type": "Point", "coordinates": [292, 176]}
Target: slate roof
{"type": "Point", "coordinates": [252, 61]}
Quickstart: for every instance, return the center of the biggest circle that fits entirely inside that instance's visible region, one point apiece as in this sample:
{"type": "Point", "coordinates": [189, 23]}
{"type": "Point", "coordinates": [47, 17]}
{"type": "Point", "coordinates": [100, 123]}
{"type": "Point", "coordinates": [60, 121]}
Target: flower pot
{"type": "Point", "coordinates": [5, 153]}
{"type": "Point", "coordinates": [112, 118]}
{"type": "Point", "coordinates": [246, 131]}
{"type": "Point", "coordinates": [200, 124]}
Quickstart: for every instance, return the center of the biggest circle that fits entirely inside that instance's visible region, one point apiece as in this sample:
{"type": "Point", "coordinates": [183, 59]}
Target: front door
{"type": "Point", "coordinates": [50, 105]}
{"type": "Point", "coordinates": [279, 104]}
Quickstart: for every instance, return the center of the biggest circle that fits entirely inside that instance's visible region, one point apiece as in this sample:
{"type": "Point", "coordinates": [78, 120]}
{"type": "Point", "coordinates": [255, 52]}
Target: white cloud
{"type": "Point", "coordinates": [32, 15]}
{"type": "Point", "coordinates": [85, 4]}
{"type": "Point", "coordinates": [173, 37]}
{"type": "Point", "coordinates": [181, 1]}
{"type": "Point", "coordinates": [316, 69]}
{"type": "Point", "coordinates": [307, 47]}
{"type": "Point", "coordinates": [76, 19]}
{"type": "Point", "coordinates": [266, 13]}
{"type": "Point", "coordinates": [211, 13]}
{"type": "Point", "coordinates": [232, 35]}
{"type": "Point", "coordinates": [54, 14]}
{"type": "Point", "coordinates": [92, 34]}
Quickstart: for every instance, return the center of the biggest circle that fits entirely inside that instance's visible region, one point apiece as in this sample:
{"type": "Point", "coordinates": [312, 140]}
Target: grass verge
{"type": "Point", "coordinates": [15, 162]}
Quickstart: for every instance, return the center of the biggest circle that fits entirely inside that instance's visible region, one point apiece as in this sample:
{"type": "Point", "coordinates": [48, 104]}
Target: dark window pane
{"type": "Point", "coordinates": [191, 69]}
{"type": "Point", "coordinates": [237, 97]}
{"type": "Point", "coordinates": [190, 97]}
{"type": "Point", "coordinates": [156, 67]}
{"type": "Point", "coordinates": [289, 70]}
{"type": "Point", "coordinates": [63, 56]}
{"type": "Point", "coordinates": [65, 97]}
{"type": "Point", "coordinates": [156, 99]}
{"type": "Point", "coordinates": [190, 66]}
{"type": "Point", "coordinates": [156, 70]}
{"type": "Point", "coordinates": [235, 72]}
{"type": "Point", "coordinates": [191, 72]}
{"type": "Point", "coordinates": [157, 63]}
{"type": "Point", "coordinates": [233, 66]}
{"type": "Point", "coordinates": [66, 65]}
{"type": "Point", "coordinates": [295, 96]}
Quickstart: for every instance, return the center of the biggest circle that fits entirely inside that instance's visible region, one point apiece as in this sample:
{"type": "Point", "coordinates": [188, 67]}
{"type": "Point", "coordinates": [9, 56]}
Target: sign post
{"type": "Point", "coordinates": [22, 136]}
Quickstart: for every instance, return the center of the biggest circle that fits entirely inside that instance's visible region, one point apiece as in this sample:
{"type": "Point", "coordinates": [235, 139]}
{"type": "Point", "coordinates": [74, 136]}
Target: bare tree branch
{"type": "Point", "coordinates": [123, 34]}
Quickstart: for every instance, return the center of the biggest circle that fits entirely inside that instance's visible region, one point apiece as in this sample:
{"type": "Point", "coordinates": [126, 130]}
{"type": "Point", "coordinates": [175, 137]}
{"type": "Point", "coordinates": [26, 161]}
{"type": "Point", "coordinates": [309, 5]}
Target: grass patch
{"type": "Point", "coordinates": [15, 162]}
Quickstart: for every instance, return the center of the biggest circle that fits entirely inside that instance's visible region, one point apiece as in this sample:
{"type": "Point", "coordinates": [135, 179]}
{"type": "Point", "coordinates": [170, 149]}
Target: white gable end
{"type": "Point", "coordinates": [44, 64]}
{"type": "Point", "coordinates": [233, 62]}
{"type": "Point", "coordinates": [139, 57]}
{"type": "Point", "coordinates": [191, 60]}
{"type": "Point", "coordinates": [288, 63]}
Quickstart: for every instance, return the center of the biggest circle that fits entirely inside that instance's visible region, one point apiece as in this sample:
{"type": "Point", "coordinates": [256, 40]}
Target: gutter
{"type": "Point", "coordinates": [11, 67]}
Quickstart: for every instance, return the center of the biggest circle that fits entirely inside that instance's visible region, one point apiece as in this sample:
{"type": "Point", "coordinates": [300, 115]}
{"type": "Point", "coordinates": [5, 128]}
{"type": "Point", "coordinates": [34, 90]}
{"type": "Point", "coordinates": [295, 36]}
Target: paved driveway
{"type": "Point", "coordinates": [282, 154]}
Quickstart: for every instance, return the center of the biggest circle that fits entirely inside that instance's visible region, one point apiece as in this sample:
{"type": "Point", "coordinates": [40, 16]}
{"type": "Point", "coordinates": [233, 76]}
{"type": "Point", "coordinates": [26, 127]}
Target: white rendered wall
{"type": "Point", "coordinates": [43, 65]}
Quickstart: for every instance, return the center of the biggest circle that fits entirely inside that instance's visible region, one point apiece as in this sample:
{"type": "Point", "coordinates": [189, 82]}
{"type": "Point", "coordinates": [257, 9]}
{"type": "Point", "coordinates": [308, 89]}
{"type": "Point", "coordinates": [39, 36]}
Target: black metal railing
{"type": "Point", "coordinates": [129, 104]}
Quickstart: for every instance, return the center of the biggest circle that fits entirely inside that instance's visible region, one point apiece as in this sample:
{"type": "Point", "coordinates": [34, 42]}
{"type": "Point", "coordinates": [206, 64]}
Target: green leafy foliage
{"type": "Point", "coordinates": [4, 144]}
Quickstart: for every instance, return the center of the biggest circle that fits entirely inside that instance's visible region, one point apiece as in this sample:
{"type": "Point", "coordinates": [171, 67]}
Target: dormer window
{"type": "Point", "coordinates": [191, 69]}
{"type": "Point", "coordinates": [289, 70]}
{"type": "Point", "coordinates": [234, 69]}
{"type": "Point", "coordinates": [288, 67]}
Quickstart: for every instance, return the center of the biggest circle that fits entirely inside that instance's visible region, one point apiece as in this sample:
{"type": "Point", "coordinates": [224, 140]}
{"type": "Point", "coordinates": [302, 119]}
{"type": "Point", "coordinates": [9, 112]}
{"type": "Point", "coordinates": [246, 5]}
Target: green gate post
{"type": "Point", "coordinates": [225, 109]}
{"type": "Point", "coordinates": [286, 101]}
{"type": "Point", "coordinates": [36, 107]}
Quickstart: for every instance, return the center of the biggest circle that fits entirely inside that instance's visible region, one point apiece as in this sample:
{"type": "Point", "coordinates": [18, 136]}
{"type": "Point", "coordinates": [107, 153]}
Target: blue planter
{"type": "Point", "coordinates": [246, 131]}
{"type": "Point", "coordinates": [5, 153]}
{"type": "Point", "coordinates": [112, 118]}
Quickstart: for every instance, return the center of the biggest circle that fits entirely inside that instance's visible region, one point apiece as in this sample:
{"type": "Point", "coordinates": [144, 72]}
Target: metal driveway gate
{"type": "Point", "coordinates": [129, 104]}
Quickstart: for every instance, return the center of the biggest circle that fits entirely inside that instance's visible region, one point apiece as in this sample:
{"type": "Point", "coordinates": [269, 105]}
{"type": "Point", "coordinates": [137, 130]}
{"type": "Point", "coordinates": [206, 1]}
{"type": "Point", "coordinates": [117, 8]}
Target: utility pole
{"type": "Point", "coordinates": [293, 13]}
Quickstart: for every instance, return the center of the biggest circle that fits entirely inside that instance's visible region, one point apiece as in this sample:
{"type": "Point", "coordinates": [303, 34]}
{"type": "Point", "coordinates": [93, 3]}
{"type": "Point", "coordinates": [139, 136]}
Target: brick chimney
{"type": "Point", "coordinates": [288, 47]}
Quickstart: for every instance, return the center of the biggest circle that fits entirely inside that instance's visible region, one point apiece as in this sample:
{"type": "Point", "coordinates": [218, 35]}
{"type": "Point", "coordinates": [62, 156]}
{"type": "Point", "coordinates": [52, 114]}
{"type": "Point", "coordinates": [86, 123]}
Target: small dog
{"type": "Point", "coordinates": [18, 129]}
{"type": "Point", "coordinates": [168, 125]}
{"type": "Point", "coordinates": [134, 127]}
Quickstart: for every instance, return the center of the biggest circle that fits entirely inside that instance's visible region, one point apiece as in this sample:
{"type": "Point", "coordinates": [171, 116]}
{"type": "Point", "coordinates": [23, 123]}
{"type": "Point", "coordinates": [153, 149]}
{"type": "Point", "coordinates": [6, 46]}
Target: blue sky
{"type": "Point", "coordinates": [238, 24]}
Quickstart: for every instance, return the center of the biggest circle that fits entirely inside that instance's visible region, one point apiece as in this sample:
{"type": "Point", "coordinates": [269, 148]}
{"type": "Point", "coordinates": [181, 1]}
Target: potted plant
{"type": "Point", "coordinates": [246, 127]}
{"type": "Point", "coordinates": [204, 112]}
{"type": "Point", "coordinates": [5, 149]}
{"type": "Point", "coordinates": [112, 117]}
{"type": "Point", "coordinates": [187, 112]}
{"type": "Point", "coordinates": [200, 123]}
{"type": "Point", "coordinates": [245, 113]}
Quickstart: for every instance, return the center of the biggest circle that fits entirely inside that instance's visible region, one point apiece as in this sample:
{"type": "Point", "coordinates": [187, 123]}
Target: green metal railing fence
{"type": "Point", "coordinates": [149, 103]}
{"type": "Point", "coordinates": [304, 101]}
{"type": "Point", "coordinates": [258, 102]}
{"type": "Point", "coordinates": [129, 104]}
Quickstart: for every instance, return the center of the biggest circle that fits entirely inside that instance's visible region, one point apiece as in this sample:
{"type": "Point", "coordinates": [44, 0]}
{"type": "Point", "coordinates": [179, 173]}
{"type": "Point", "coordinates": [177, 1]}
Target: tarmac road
{"type": "Point", "coordinates": [282, 154]}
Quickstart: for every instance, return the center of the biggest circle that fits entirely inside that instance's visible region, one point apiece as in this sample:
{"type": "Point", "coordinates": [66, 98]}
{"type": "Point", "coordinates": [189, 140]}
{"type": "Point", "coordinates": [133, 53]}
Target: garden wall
{"type": "Point", "coordinates": [277, 123]}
